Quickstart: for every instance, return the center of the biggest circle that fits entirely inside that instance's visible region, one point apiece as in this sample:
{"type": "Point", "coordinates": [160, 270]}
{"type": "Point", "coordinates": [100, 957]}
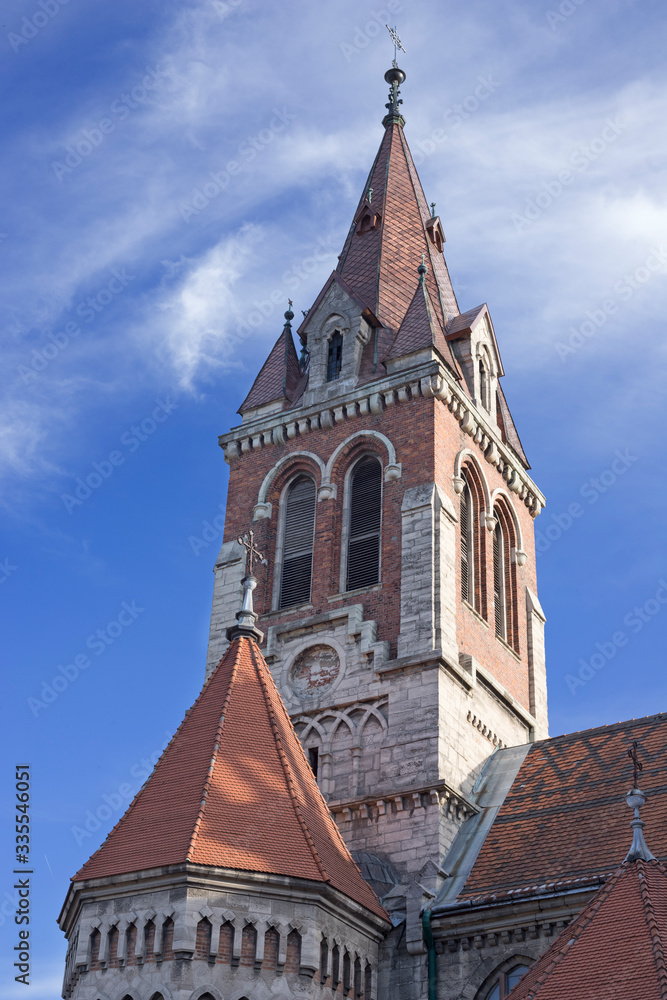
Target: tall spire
{"type": "Point", "coordinates": [393, 226]}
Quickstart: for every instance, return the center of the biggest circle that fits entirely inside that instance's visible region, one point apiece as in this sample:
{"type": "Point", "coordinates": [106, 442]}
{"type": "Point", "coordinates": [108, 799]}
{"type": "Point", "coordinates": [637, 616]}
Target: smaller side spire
{"type": "Point", "coordinates": [639, 849]}
{"type": "Point", "coordinates": [247, 616]}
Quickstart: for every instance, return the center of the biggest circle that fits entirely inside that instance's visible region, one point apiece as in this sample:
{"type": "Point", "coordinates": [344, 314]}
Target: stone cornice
{"type": "Point", "coordinates": [428, 380]}
{"type": "Point", "coordinates": [190, 876]}
{"type": "Point", "coordinates": [404, 801]}
{"type": "Point", "coordinates": [541, 912]}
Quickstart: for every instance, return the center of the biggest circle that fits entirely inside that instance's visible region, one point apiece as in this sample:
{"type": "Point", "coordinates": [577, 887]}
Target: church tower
{"type": "Point", "coordinates": [382, 474]}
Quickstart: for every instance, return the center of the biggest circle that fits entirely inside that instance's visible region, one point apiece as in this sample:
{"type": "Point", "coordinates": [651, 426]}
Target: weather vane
{"type": "Point", "coordinates": [636, 763]}
{"type": "Point", "coordinates": [398, 44]}
{"type": "Point", "coordinates": [252, 553]}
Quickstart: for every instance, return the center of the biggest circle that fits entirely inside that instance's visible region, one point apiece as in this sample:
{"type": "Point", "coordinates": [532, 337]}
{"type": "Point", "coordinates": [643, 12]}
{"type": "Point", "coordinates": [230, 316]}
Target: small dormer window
{"type": "Point", "coordinates": [335, 357]}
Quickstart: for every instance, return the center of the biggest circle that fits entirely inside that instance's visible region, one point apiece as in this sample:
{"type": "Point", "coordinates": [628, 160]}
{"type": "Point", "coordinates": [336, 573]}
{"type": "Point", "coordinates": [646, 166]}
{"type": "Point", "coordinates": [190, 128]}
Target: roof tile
{"type": "Point", "coordinates": [234, 789]}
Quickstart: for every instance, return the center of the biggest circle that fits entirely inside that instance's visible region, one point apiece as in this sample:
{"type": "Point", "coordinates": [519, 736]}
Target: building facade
{"type": "Point", "coordinates": [396, 607]}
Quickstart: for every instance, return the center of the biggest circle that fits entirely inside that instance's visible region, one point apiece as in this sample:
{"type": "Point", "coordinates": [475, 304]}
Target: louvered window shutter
{"type": "Point", "coordinates": [298, 543]}
{"type": "Point", "coordinates": [499, 582]}
{"type": "Point", "coordinates": [335, 357]}
{"type": "Point", "coordinates": [467, 584]}
{"type": "Point", "coordinates": [363, 556]}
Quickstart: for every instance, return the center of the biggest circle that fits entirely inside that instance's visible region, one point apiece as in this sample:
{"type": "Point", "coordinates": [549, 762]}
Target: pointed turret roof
{"type": "Point", "coordinates": [280, 374]}
{"type": "Point", "coordinates": [421, 326]}
{"type": "Point", "coordinates": [391, 230]}
{"type": "Point", "coordinates": [615, 948]}
{"type": "Point", "coordinates": [234, 790]}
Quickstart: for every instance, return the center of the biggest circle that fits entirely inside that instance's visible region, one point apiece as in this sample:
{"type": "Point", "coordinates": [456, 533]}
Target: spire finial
{"type": "Point", "coordinates": [394, 77]}
{"type": "Point", "coordinates": [422, 271]}
{"type": "Point", "coordinates": [433, 210]}
{"type": "Point", "coordinates": [247, 616]}
{"type": "Point", "coordinates": [289, 315]}
{"type": "Point", "coordinates": [635, 800]}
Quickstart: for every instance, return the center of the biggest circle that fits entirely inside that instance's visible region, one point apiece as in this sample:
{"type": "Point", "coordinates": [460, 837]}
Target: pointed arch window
{"type": "Point", "coordinates": [506, 981]}
{"type": "Point", "coordinates": [505, 602]}
{"type": "Point", "coordinates": [499, 583]}
{"type": "Point", "coordinates": [298, 539]}
{"type": "Point", "coordinates": [335, 357]}
{"type": "Point", "coordinates": [473, 541]}
{"type": "Point", "coordinates": [467, 521]}
{"type": "Point", "coordinates": [364, 524]}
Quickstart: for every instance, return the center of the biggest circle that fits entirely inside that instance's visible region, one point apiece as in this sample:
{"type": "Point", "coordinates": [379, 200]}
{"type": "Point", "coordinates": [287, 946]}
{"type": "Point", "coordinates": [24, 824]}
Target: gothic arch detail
{"type": "Point", "coordinates": [466, 456]}
{"type": "Point", "coordinates": [392, 470]}
{"type": "Point", "coordinates": [263, 509]}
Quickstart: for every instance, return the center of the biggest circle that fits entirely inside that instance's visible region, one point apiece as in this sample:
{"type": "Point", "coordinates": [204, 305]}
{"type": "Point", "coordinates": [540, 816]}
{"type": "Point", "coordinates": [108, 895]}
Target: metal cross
{"type": "Point", "coordinates": [637, 764]}
{"type": "Point", "coordinates": [398, 44]}
{"type": "Point", "coordinates": [252, 553]}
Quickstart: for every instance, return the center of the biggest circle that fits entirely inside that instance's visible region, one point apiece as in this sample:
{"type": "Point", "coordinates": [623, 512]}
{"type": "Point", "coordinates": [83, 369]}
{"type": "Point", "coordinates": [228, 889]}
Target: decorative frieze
{"type": "Point", "coordinates": [439, 385]}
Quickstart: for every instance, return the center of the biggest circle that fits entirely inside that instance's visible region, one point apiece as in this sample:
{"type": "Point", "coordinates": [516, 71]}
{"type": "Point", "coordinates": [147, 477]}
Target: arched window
{"type": "Point", "coordinates": [293, 952]}
{"type": "Point", "coordinates": [368, 982]}
{"type": "Point", "coordinates": [271, 949]}
{"type": "Point", "coordinates": [95, 939]}
{"type": "Point", "coordinates": [365, 518]}
{"type": "Point", "coordinates": [467, 521]}
{"type": "Point", "coordinates": [113, 948]}
{"type": "Point", "coordinates": [473, 541]}
{"type": "Point", "coordinates": [506, 981]}
{"type": "Point", "coordinates": [299, 531]}
{"type": "Point", "coordinates": [248, 945]}
{"type": "Point", "coordinates": [347, 973]}
{"type": "Point", "coordinates": [335, 966]}
{"type": "Point", "coordinates": [203, 939]}
{"type": "Point", "coordinates": [324, 960]}
{"type": "Point", "coordinates": [499, 582]}
{"type": "Point", "coordinates": [504, 578]}
{"type": "Point", "coordinates": [335, 357]}
{"type": "Point", "coordinates": [149, 941]}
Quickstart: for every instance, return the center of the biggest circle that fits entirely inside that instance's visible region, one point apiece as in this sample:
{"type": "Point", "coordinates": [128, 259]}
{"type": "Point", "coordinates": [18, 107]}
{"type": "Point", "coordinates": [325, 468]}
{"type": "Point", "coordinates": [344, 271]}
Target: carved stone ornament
{"type": "Point", "coordinates": [314, 670]}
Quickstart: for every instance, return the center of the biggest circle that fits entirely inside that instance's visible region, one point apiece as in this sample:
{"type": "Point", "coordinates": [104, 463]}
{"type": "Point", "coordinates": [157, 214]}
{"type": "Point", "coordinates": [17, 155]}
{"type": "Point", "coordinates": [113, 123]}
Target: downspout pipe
{"type": "Point", "coordinates": [430, 946]}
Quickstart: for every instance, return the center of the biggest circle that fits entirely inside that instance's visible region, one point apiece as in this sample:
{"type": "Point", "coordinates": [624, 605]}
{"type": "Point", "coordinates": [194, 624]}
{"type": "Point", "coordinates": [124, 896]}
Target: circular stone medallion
{"type": "Point", "coordinates": [314, 670]}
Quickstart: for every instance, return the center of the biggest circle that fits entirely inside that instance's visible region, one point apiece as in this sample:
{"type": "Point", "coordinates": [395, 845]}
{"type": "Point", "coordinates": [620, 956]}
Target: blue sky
{"type": "Point", "coordinates": [136, 313]}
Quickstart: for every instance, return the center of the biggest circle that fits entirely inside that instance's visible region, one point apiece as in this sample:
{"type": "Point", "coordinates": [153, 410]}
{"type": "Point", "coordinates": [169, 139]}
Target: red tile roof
{"type": "Point", "coordinates": [234, 790]}
{"type": "Point", "coordinates": [279, 376]}
{"type": "Point", "coordinates": [380, 264]}
{"type": "Point", "coordinates": [614, 949]}
{"type": "Point", "coordinates": [568, 790]}
{"type": "Point", "coordinates": [420, 328]}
